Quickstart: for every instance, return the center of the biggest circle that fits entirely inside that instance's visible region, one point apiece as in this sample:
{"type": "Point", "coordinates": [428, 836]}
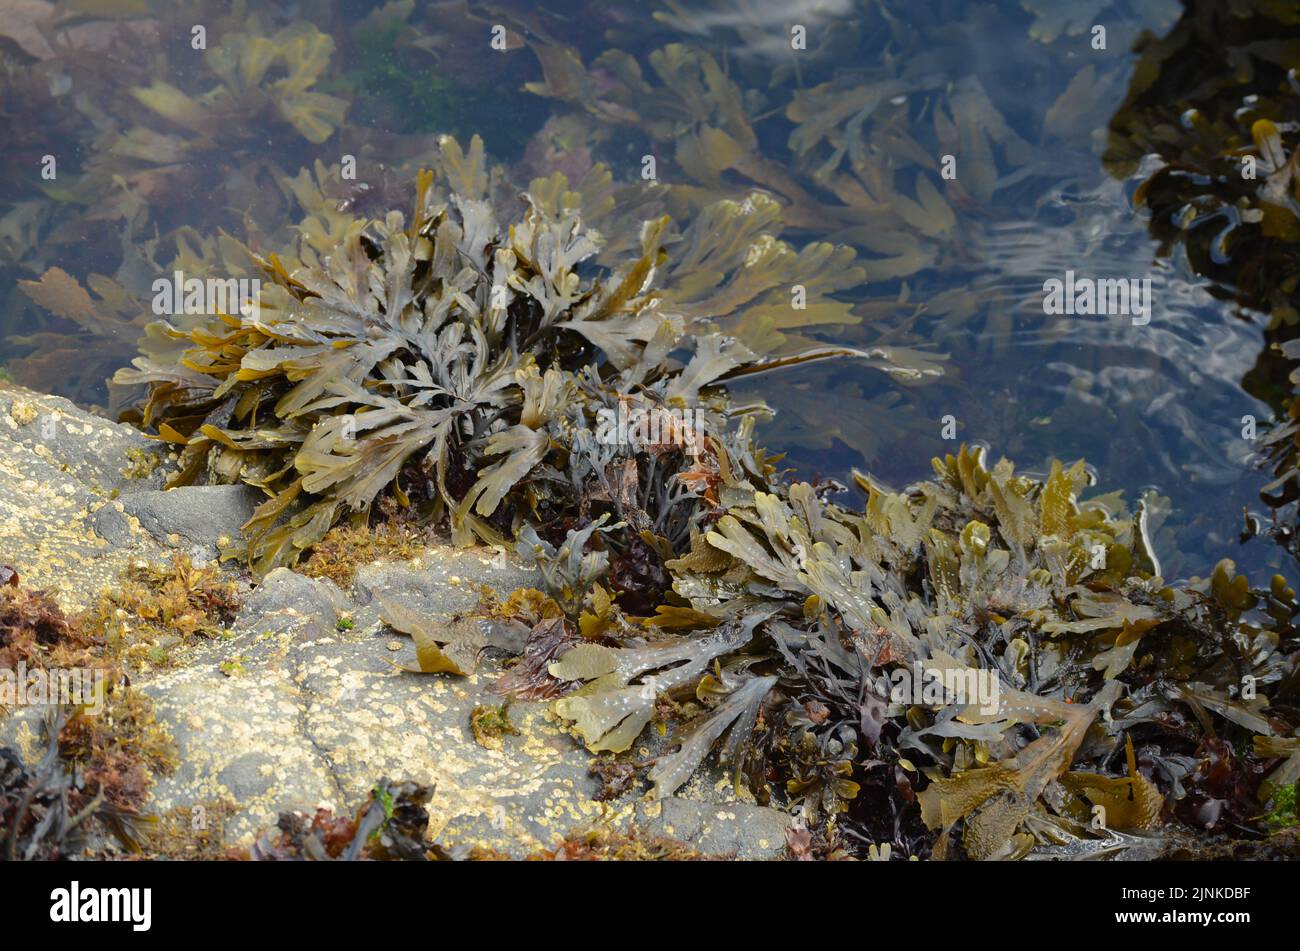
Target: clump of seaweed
{"type": "Point", "coordinates": [490, 724]}
{"type": "Point", "coordinates": [616, 777]}
{"type": "Point", "coordinates": [803, 612]}
{"type": "Point", "coordinates": [157, 607]}
{"type": "Point", "coordinates": [47, 813]}
{"type": "Point", "coordinates": [323, 836]}
{"type": "Point", "coordinates": [110, 745]}
{"type": "Point", "coordinates": [389, 534]}
{"type": "Point", "coordinates": [251, 74]}
{"type": "Point", "coordinates": [1283, 815]}
{"type": "Point", "coordinates": [35, 631]}
{"type": "Point", "coordinates": [151, 608]}
{"type": "Point", "coordinates": [391, 825]}
{"type": "Point", "coordinates": [119, 750]}
{"type": "Point", "coordinates": [609, 845]}
{"type": "Point", "coordinates": [155, 140]}
{"type": "Point", "coordinates": [104, 754]}
{"type": "Point", "coordinates": [452, 363]}
{"type": "Point", "coordinates": [705, 116]}
{"type": "Point", "coordinates": [190, 832]}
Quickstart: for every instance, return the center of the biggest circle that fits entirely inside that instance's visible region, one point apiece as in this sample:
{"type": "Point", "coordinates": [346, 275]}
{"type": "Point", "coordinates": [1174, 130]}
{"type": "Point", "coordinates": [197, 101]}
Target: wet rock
{"type": "Point", "coordinates": [90, 449]}
{"type": "Point", "coordinates": [739, 829]}
{"type": "Point", "coordinates": [60, 470]}
{"type": "Point", "coordinates": [285, 596]}
{"type": "Point", "coordinates": [295, 709]}
{"type": "Point", "coordinates": [294, 713]}
{"type": "Point", "coordinates": [446, 582]}
{"type": "Point", "coordinates": [196, 516]}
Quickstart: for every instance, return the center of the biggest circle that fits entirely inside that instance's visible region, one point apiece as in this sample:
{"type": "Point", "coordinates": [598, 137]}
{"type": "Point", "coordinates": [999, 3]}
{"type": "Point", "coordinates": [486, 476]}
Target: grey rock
{"type": "Point", "coordinates": [199, 514]}
{"type": "Point", "coordinates": [739, 829]}
{"type": "Point", "coordinates": [94, 451]}
{"type": "Point", "coordinates": [446, 583]}
{"type": "Point", "coordinates": [112, 524]}
{"type": "Point", "coordinates": [286, 594]}
{"type": "Point", "coordinates": [60, 468]}
{"type": "Point", "coordinates": [248, 776]}
{"type": "Point", "coordinates": [77, 507]}
{"type": "Point", "coordinates": [292, 713]}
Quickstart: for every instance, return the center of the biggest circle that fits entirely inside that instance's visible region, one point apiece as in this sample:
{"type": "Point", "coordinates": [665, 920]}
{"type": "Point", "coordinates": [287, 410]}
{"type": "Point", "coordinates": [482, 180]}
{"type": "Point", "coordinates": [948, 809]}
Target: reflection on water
{"type": "Point", "coordinates": [837, 129]}
{"type": "Point", "coordinates": [1155, 406]}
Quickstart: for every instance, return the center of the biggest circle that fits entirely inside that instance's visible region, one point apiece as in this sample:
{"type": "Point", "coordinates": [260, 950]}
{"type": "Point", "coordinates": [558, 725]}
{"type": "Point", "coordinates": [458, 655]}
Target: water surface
{"type": "Point", "coordinates": [1156, 407]}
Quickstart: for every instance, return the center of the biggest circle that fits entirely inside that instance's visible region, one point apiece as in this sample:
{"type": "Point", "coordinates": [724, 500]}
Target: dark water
{"type": "Point", "coordinates": [1154, 407]}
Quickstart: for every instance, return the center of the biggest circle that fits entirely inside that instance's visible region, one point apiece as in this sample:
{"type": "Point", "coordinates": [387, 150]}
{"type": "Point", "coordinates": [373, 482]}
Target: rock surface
{"type": "Point", "coordinates": [201, 515]}
{"type": "Point", "coordinates": [61, 469]}
{"type": "Point", "coordinates": [293, 713]}
{"type": "Point", "coordinates": [292, 710]}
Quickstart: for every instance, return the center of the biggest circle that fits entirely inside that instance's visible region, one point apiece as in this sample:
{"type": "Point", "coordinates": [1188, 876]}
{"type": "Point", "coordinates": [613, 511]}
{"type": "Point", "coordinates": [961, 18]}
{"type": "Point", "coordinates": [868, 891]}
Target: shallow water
{"type": "Point", "coordinates": [1156, 406]}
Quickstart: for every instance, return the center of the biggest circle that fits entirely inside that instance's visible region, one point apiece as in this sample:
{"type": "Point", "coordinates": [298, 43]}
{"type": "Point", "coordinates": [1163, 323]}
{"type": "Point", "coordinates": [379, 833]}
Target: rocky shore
{"type": "Point", "coordinates": [301, 703]}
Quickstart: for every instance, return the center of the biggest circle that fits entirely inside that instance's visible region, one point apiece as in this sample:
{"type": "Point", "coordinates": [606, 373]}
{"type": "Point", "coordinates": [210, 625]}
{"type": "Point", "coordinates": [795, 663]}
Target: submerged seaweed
{"type": "Point", "coordinates": [1212, 115]}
